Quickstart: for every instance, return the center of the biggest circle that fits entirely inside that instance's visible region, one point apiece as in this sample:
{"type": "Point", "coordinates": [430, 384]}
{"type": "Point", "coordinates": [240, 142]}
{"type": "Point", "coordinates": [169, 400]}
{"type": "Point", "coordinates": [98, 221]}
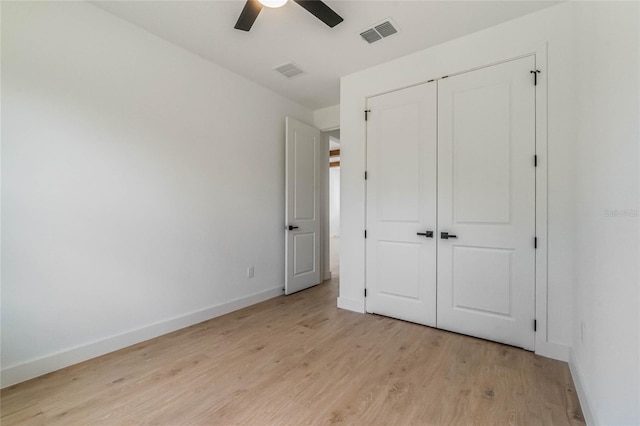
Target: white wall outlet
{"type": "Point", "coordinates": [250, 272]}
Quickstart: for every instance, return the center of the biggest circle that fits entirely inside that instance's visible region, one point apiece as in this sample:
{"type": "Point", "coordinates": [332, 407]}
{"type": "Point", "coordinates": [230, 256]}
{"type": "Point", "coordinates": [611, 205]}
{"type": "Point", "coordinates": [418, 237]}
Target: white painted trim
{"type": "Point", "coordinates": [37, 367]}
{"type": "Point", "coordinates": [351, 305]}
{"type": "Point", "coordinates": [578, 382]}
{"type": "Point", "coordinates": [325, 238]}
{"type": "Point", "coordinates": [553, 350]}
{"type": "Point", "coordinates": [542, 345]}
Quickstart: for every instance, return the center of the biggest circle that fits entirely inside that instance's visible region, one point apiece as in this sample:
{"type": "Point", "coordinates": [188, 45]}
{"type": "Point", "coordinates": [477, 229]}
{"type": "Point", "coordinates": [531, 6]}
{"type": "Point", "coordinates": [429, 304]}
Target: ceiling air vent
{"type": "Point", "coordinates": [379, 31]}
{"type": "Point", "coordinates": [386, 29]}
{"type": "Point", "coordinates": [289, 70]}
{"type": "Point", "coordinates": [371, 35]}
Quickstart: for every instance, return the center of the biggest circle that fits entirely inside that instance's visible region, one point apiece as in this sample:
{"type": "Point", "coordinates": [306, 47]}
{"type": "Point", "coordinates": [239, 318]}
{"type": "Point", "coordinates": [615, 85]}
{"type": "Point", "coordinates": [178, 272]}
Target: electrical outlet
{"type": "Point", "coordinates": [250, 272]}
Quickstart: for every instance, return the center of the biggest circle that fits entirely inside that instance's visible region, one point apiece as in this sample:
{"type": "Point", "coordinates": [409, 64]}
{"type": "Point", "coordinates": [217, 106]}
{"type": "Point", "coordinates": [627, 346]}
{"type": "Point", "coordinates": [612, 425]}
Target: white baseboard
{"type": "Point", "coordinates": [37, 367]}
{"type": "Point", "coordinates": [553, 351]}
{"type": "Point", "coordinates": [327, 275]}
{"type": "Point", "coordinates": [351, 305]}
{"type": "Point", "coordinates": [578, 381]}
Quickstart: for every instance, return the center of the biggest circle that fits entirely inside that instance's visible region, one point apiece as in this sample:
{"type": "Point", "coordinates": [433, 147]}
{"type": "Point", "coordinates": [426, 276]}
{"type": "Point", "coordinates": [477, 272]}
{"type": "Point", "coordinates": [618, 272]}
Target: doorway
{"type": "Point", "coordinates": [334, 202]}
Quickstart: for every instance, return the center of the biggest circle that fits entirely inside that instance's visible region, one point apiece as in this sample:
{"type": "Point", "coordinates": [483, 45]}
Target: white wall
{"type": "Point", "coordinates": [606, 354]}
{"type": "Point", "coordinates": [138, 183]}
{"type": "Point", "coordinates": [553, 27]}
{"type": "Point", "coordinates": [592, 135]}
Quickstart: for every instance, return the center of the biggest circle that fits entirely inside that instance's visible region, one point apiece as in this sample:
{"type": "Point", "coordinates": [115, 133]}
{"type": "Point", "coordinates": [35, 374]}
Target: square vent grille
{"type": "Point", "coordinates": [289, 70]}
{"type": "Point", "coordinates": [379, 31]}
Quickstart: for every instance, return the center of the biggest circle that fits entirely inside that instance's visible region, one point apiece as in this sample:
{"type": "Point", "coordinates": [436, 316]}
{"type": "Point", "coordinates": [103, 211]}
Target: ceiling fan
{"type": "Point", "coordinates": [316, 7]}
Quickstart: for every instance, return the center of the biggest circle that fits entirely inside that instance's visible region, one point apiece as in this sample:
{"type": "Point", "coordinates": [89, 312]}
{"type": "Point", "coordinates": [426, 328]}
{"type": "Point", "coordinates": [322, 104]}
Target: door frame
{"type": "Point", "coordinates": [542, 345]}
{"type": "Point", "coordinates": [325, 241]}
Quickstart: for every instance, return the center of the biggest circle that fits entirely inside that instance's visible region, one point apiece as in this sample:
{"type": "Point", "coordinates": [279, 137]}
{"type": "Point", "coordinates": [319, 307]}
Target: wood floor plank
{"type": "Point", "coordinates": [298, 360]}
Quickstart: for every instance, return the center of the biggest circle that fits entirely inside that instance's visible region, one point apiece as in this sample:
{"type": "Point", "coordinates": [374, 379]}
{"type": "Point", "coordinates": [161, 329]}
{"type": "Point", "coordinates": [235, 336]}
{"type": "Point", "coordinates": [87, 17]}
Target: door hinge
{"type": "Point", "coordinates": [535, 325]}
{"type": "Point", "coordinates": [366, 114]}
{"type": "Point", "coordinates": [535, 242]}
{"type": "Point", "coordinates": [535, 76]}
{"type": "Point", "coordinates": [365, 292]}
{"type": "Point", "coordinates": [365, 175]}
{"type": "Point", "coordinates": [365, 233]}
{"type": "Point", "coordinates": [535, 161]}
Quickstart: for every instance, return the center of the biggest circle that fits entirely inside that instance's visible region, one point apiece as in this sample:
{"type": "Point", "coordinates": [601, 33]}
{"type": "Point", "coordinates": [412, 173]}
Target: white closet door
{"type": "Point", "coordinates": [486, 198]}
{"type": "Point", "coordinates": [401, 202]}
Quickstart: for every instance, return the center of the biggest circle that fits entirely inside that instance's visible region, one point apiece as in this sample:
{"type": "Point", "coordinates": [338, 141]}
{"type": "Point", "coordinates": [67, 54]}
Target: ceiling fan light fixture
{"type": "Point", "coordinates": [273, 3]}
{"type": "Point", "coordinates": [317, 8]}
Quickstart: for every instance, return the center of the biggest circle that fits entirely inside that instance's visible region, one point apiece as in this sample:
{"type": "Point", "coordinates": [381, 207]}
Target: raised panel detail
{"type": "Point", "coordinates": [399, 163]}
{"type": "Point", "coordinates": [482, 279]}
{"type": "Point", "coordinates": [398, 269]}
{"type": "Point", "coordinates": [304, 254]}
{"type": "Point", "coordinates": [305, 178]}
{"type": "Point", "coordinates": [482, 154]}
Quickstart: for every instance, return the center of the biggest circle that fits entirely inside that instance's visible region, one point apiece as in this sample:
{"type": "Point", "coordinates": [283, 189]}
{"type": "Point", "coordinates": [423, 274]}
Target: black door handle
{"type": "Point", "coordinates": [428, 234]}
{"type": "Point", "coordinates": [446, 235]}
{"type": "Point", "coordinates": [291, 228]}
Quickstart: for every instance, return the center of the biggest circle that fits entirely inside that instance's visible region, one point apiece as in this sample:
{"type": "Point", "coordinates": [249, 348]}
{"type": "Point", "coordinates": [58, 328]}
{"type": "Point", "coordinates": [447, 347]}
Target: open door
{"type": "Point", "coordinates": [302, 207]}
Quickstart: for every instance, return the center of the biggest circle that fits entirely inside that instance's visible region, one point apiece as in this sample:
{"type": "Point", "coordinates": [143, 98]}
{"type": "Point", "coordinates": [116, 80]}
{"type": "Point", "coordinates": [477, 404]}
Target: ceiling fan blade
{"type": "Point", "coordinates": [248, 15]}
{"type": "Point", "coordinates": [321, 11]}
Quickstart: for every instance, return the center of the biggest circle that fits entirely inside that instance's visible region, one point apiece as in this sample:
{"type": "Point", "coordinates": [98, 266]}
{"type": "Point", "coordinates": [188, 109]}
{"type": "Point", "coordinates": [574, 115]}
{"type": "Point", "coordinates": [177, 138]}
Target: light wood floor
{"type": "Point", "coordinates": [299, 360]}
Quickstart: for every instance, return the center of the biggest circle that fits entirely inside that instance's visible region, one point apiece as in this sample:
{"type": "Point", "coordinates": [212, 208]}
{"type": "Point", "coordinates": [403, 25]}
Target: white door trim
{"type": "Point", "coordinates": [543, 345]}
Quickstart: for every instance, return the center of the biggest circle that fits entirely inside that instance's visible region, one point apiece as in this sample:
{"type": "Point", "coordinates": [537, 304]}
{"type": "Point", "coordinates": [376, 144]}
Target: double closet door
{"type": "Point", "coordinates": [451, 203]}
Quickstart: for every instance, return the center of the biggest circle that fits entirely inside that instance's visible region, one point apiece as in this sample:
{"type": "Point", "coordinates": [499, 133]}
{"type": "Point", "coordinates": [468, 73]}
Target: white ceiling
{"type": "Point", "coordinates": [290, 33]}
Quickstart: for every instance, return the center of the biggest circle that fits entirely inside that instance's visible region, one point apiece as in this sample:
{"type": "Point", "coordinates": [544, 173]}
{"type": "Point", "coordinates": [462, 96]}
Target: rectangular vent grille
{"type": "Point", "coordinates": [289, 70]}
{"type": "Point", "coordinates": [370, 36]}
{"type": "Point", "coordinates": [386, 29]}
{"type": "Point", "coordinates": [379, 31]}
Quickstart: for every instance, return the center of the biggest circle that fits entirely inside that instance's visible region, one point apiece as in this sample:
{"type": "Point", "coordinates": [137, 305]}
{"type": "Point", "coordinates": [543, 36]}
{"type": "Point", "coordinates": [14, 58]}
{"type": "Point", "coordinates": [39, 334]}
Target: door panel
{"type": "Point", "coordinates": [486, 198]}
{"type": "Point", "coordinates": [304, 152]}
{"type": "Point", "coordinates": [483, 280]}
{"type": "Point", "coordinates": [401, 201]}
{"type": "Point", "coordinates": [304, 253]}
{"type": "Point", "coordinates": [397, 272]}
{"type": "Point", "coordinates": [302, 209]}
{"type": "Point", "coordinates": [481, 154]}
{"type": "Point", "coordinates": [398, 174]}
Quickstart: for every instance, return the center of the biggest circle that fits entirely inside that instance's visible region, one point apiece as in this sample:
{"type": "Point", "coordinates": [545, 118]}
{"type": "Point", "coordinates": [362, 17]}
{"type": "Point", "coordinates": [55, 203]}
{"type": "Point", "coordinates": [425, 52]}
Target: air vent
{"type": "Point", "coordinates": [379, 31]}
{"type": "Point", "coordinates": [371, 35]}
{"type": "Point", "coordinates": [289, 70]}
{"type": "Point", "coordinates": [386, 29]}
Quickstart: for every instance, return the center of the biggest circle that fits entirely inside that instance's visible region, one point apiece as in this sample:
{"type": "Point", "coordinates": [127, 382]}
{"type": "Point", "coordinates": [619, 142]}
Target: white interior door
{"type": "Point", "coordinates": [401, 204]}
{"type": "Point", "coordinates": [302, 206]}
{"type": "Point", "coordinates": [486, 198]}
